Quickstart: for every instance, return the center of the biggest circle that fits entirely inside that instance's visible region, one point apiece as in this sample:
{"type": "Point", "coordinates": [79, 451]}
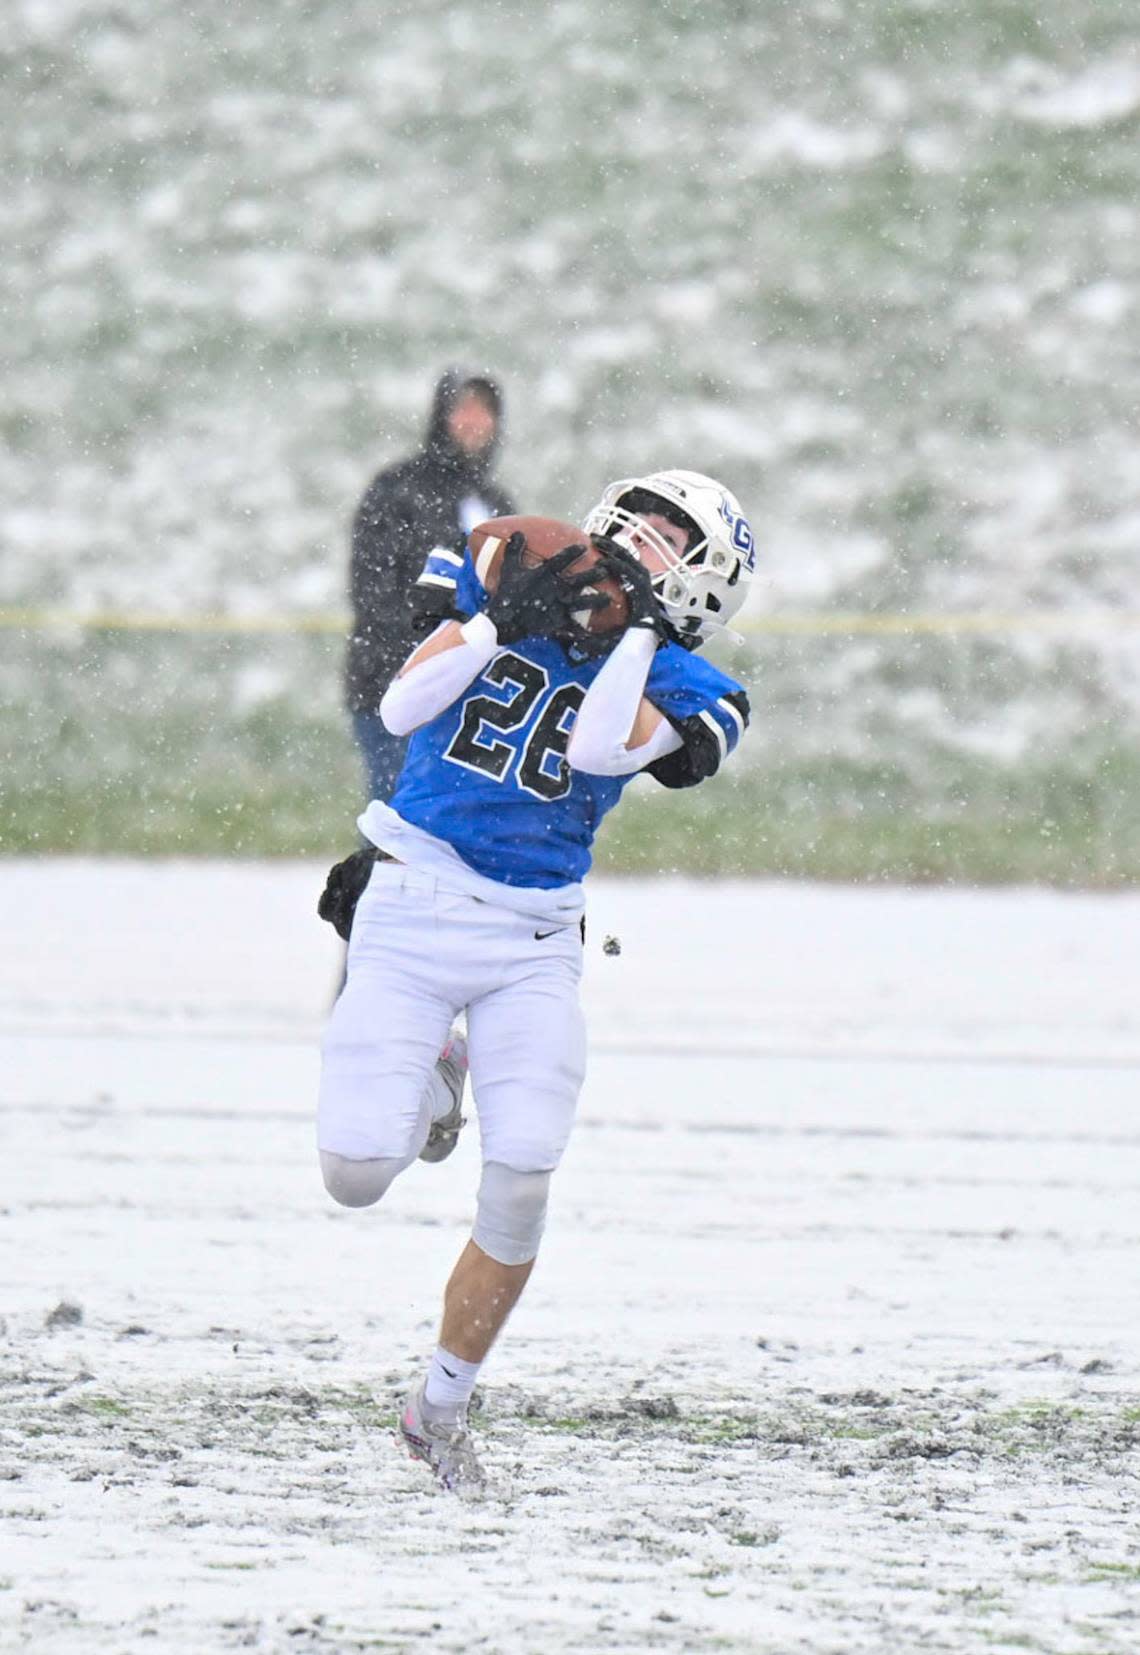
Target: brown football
{"type": "Point", "coordinates": [544, 537]}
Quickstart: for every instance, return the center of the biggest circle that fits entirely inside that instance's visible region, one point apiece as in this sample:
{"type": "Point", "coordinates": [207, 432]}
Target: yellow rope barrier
{"type": "Point", "coordinates": [1068, 622]}
{"type": "Point", "coordinates": [111, 620]}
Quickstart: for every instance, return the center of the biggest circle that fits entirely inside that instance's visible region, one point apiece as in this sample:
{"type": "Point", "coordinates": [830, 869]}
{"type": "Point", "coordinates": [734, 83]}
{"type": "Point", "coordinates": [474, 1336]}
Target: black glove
{"type": "Point", "coordinates": [637, 584]}
{"type": "Point", "coordinates": [344, 888]}
{"type": "Point", "coordinates": [538, 601]}
{"type": "Point", "coordinates": [430, 604]}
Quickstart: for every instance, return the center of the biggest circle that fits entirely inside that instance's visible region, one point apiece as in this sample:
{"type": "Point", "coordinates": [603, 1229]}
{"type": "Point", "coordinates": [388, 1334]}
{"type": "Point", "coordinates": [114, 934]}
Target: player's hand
{"type": "Point", "coordinates": [538, 601]}
{"type": "Point", "coordinates": [429, 605]}
{"type": "Point", "coordinates": [637, 584]}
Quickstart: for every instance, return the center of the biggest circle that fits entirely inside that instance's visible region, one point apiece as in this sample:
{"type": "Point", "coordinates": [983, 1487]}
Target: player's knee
{"type": "Point", "coordinates": [357, 1183]}
{"type": "Point", "coordinates": [510, 1213]}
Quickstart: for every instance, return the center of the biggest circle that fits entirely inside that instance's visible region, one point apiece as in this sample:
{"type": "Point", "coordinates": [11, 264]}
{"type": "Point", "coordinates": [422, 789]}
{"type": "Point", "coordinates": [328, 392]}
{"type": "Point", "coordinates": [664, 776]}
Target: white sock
{"type": "Point", "coordinates": [450, 1381]}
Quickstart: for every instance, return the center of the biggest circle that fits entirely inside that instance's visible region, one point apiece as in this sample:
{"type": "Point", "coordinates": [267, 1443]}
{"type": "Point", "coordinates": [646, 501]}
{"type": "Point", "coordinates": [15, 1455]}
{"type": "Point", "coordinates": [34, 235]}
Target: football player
{"type": "Point", "coordinates": [525, 728]}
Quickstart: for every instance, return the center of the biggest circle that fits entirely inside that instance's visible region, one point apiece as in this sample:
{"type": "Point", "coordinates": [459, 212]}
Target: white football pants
{"type": "Point", "coordinates": [418, 955]}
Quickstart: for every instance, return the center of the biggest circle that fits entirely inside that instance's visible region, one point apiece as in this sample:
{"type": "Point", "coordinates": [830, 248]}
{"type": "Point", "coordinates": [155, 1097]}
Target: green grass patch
{"type": "Point", "coordinates": [1113, 1571]}
{"type": "Point", "coordinates": [812, 822]}
{"type": "Point", "coordinates": [104, 1407]}
{"type": "Point", "coordinates": [1015, 1640]}
{"type": "Point", "coordinates": [566, 1424]}
{"type": "Point", "coordinates": [147, 746]}
{"type": "Point", "coordinates": [1037, 1415]}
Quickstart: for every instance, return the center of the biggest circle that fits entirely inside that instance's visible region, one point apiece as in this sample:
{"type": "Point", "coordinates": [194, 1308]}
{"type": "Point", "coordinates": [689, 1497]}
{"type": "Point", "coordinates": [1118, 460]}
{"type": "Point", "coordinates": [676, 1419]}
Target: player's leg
{"type": "Point", "coordinates": [451, 1064]}
{"type": "Point", "coordinates": [381, 1087]}
{"type": "Point", "coordinates": [479, 1296]}
{"type": "Point", "coordinates": [528, 1060]}
{"type": "Point", "coordinates": [528, 1044]}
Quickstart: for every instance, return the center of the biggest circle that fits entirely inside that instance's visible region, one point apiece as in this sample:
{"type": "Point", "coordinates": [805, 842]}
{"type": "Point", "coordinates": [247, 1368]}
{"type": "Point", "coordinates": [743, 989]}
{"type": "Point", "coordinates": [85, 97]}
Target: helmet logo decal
{"type": "Point", "coordinates": [741, 533]}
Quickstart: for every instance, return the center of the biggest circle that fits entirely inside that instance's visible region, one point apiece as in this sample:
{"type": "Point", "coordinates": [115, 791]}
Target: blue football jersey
{"type": "Point", "coordinates": [489, 774]}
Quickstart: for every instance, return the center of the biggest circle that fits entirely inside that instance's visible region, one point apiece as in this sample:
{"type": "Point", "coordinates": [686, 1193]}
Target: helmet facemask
{"type": "Point", "coordinates": [694, 586]}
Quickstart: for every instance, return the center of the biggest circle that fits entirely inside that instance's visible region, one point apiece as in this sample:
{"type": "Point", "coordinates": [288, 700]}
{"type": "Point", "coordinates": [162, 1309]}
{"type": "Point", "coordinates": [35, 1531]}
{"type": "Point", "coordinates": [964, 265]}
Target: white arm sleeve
{"type": "Point", "coordinates": [605, 718]}
{"type": "Point", "coordinates": [426, 689]}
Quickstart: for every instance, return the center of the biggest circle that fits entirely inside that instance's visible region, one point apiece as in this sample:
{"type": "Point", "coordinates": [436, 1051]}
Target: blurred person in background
{"type": "Point", "coordinates": [434, 498]}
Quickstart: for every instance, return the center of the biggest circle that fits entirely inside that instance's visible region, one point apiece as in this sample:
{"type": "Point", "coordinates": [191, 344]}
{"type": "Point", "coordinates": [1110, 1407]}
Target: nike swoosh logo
{"type": "Point", "coordinates": [541, 936]}
{"type": "Point", "coordinates": [447, 1371]}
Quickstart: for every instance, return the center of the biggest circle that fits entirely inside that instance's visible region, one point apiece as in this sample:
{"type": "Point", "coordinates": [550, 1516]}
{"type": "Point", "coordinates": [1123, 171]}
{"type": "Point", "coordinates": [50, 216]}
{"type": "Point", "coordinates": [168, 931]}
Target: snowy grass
{"type": "Point", "coordinates": [198, 747]}
{"type": "Point", "coordinates": [828, 1349]}
{"type": "Point", "coordinates": [279, 789]}
{"type": "Point", "coordinates": [238, 254]}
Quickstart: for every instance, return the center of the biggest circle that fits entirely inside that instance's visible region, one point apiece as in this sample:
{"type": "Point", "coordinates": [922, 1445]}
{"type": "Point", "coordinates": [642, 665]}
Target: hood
{"type": "Point", "coordinates": [451, 384]}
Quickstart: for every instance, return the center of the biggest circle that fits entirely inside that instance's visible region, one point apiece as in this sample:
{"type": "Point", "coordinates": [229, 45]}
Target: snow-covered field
{"type": "Point", "coordinates": [833, 1345]}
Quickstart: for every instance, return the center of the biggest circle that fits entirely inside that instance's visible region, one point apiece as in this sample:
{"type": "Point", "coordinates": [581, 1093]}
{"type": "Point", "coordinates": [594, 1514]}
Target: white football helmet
{"type": "Point", "coordinates": [699, 589]}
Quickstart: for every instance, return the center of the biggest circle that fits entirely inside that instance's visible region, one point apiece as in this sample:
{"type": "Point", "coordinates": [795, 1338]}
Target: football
{"type": "Point", "coordinates": [544, 537]}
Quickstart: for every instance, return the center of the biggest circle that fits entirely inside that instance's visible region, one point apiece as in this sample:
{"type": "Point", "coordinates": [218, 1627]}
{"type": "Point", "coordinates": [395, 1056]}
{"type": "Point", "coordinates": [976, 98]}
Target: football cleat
{"type": "Point", "coordinates": [444, 1445]}
{"type": "Point", "coordinates": [451, 1067]}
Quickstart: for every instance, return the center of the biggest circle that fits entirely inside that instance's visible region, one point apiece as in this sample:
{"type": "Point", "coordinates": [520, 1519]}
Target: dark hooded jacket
{"type": "Point", "coordinates": [429, 500]}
